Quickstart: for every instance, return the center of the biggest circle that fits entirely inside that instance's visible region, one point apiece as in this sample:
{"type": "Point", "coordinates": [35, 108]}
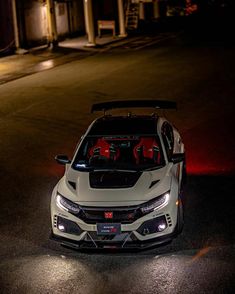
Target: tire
{"type": "Point", "coordinates": [180, 217]}
{"type": "Point", "coordinates": [184, 174]}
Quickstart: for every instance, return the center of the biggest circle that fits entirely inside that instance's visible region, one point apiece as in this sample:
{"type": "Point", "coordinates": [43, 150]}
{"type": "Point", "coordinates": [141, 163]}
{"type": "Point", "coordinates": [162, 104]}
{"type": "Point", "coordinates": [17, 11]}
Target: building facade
{"type": "Point", "coordinates": [30, 23]}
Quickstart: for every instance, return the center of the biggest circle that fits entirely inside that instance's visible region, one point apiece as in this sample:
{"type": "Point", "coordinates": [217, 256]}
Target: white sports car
{"type": "Point", "coordinates": [122, 189]}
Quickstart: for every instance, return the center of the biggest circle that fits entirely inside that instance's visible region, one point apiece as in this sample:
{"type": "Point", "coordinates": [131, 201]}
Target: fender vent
{"type": "Point", "coordinates": [168, 218]}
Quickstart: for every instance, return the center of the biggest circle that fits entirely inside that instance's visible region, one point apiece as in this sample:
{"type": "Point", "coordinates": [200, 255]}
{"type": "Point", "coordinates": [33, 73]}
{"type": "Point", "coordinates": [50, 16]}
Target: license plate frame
{"type": "Point", "coordinates": [108, 229]}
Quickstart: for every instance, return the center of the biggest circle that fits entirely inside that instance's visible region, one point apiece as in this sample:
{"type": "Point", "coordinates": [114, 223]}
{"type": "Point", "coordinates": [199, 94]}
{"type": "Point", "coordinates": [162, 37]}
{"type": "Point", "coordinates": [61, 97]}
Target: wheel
{"type": "Point", "coordinates": [180, 216]}
{"type": "Point", "coordinates": [184, 174]}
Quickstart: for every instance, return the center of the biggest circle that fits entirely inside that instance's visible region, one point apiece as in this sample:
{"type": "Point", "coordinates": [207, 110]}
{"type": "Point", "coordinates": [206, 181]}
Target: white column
{"type": "Point", "coordinates": [156, 12]}
{"type": "Point", "coordinates": [89, 23]}
{"type": "Point", "coordinates": [53, 37]}
{"type": "Point", "coordinates": [85, 17]}
{"type": "Point", "coordinates": [121, 17]}
{"type": "Point", "coordinates": [141, 12]}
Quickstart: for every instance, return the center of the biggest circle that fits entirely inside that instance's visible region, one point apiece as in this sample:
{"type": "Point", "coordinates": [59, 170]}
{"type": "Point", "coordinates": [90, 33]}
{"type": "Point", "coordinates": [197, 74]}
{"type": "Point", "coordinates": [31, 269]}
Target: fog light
{"type": "Point", "coordinates": [153, 226]}
{"type": "Point", "coordinates": [68, 226]}
{"type": "Point", "coordinates": [61, 227]}
{"type": "Point", "coordinates": [161, 227]}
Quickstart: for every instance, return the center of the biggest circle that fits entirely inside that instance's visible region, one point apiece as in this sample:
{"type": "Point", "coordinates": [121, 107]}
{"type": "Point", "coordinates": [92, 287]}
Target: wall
{"type": "Point", "coordinates": [69, 20]}
{"type": "Point", "coordinates": [35, 19]}
{"type": "Point", "coordinates": [77, 22]}
{"type": "Point", "coordinates": [62, 23]}
{"type": "Point", "coordinates": [6, 27]}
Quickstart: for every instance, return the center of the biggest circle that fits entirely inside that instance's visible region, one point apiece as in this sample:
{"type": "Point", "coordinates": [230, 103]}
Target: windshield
{"type": "Point", "coordinates": [119, 153]}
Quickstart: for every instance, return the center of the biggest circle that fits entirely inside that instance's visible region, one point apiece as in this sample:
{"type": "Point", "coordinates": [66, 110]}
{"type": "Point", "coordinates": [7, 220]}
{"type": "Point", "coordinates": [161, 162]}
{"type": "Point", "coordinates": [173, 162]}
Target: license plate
{"type": "Point", "coordinates": [108, 228]}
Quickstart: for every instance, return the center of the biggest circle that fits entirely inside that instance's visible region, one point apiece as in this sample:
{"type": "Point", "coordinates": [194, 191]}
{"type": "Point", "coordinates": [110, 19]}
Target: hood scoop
{"type": "Point", "coordinates": [72, 184]}
{"type": "Point", "coordinates": [113, 179]}
{"type": "Point", "coordinates": [153, 183]}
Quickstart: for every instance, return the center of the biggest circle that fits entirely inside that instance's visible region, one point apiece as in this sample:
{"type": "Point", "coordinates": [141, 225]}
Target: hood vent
{"type": "Point", "coordinates": [153, 183]}
{"type": "Point", "coordinates": [113, 179]}
{"type": "Point", "coordinates": [72, 184]}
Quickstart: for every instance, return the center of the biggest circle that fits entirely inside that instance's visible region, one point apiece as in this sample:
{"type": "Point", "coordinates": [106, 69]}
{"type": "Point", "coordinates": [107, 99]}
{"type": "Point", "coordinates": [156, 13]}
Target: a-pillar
{"type": "Point", "coordinates": [53, 37]}
{"type": "Point", "coordinates": [156, 11]}
{"type": "Point", "coordinates": [16, 29]}
{"type": "Point", "coordinates": [121, 17]}
{"type": "Point", "coordinates": [141, 11]}
{"type": "Point", "coordinates": [89, 23]}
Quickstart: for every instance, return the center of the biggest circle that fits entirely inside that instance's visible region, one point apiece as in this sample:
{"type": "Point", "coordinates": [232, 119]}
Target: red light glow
{"type": "Point", "coordinates": [210, 147]}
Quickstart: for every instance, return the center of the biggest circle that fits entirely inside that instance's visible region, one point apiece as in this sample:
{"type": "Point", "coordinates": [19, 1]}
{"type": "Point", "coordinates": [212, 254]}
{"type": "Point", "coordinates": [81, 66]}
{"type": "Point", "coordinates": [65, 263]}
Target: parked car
{"type": "Point", "coordinates": [123, 186]}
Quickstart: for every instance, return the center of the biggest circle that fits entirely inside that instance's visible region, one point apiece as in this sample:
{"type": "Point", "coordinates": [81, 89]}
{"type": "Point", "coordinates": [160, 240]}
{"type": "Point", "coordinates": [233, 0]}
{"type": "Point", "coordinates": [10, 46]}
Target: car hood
{"type": "Point", "coordinates": [141, 187]}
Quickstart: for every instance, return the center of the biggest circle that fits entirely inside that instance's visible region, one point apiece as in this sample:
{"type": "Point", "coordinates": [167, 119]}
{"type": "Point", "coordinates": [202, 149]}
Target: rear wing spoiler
{"type": "Point", "coordinates": [159, 104]}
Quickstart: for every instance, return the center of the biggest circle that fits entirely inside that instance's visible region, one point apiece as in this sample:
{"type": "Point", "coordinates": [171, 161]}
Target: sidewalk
{"type": "Point", "coordinates": [43, 58]}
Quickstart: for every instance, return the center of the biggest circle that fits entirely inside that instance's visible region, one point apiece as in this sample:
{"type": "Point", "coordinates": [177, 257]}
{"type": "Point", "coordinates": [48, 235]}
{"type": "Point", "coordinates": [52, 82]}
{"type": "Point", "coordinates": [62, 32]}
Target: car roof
{"type": "Point", "coordinates": [124, 125]}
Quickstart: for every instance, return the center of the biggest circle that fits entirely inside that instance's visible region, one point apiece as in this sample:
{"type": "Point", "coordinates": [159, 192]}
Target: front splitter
{"type": "Point", "coordinates": [124, 245]}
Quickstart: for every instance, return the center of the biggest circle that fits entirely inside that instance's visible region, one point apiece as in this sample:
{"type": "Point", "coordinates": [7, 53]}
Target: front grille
{"type": "Point", "coordinates": [124, 215]}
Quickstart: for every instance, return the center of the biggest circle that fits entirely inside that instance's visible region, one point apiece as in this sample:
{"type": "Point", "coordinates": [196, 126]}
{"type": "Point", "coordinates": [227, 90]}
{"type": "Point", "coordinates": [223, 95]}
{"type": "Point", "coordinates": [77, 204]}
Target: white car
{"type": "Point", "coordinates": [122, 189]}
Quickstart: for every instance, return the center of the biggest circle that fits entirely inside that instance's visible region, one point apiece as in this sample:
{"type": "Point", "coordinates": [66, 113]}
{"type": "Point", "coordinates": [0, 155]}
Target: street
{"type": "Point", "coordinates": [45, 114]}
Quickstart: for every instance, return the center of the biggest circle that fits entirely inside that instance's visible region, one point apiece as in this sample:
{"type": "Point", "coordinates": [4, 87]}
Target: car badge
{"type": "Point", "coordinates": [108, 214]}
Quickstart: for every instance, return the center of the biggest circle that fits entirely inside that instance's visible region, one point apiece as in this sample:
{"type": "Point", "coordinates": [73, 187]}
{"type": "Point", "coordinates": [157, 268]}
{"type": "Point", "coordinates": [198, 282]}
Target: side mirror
{"type": "Point", "coordinates": [178, 157]}
{"type": "Point", "coordinates": [62, 159]}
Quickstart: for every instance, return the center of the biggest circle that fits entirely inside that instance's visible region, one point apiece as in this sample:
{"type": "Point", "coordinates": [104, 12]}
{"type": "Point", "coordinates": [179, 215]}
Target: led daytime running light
{"type": "Point", "coordinates": [156, 203]}
{"type": "Point", "coordinates": [67, 205]}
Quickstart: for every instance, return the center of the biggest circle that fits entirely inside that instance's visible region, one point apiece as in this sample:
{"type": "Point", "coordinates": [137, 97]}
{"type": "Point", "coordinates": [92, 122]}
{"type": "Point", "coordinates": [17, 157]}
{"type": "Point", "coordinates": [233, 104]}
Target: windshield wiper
{"type": "Point", "coordinates": [115, 170]}
{"type": "Point", "coordinates": [152, 168]}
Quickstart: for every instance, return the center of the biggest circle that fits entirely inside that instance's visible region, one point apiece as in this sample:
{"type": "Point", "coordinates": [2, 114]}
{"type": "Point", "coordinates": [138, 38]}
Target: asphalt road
{"type": "Point", "coordinates": [45, 114]}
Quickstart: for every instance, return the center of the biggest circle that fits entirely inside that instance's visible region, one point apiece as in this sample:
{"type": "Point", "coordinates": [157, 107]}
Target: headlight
{"type": "Point", "coordinates": [155, 203]}
{"type": "Point", "coordinates": [67, 205]}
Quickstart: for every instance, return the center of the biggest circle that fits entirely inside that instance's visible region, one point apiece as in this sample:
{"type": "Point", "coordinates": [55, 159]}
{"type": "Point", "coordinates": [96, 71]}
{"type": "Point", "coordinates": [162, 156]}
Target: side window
{"type": "Point", "coordinates": [168, 139]}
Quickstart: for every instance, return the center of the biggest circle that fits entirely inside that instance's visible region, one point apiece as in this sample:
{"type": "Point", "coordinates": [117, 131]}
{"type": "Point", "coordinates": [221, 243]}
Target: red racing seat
{"type": "Point", "coordinates": [105, 149]}
{"type": "Point", "coordinates": [148, 149]}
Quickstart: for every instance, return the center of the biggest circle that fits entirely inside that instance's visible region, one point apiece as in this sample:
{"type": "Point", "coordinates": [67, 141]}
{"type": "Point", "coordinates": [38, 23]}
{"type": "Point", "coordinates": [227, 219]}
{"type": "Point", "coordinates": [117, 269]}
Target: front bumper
{"type": "Point", "coordinates": [122, 240]}
{"type": "Point", "coordinates": [139, 233]}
